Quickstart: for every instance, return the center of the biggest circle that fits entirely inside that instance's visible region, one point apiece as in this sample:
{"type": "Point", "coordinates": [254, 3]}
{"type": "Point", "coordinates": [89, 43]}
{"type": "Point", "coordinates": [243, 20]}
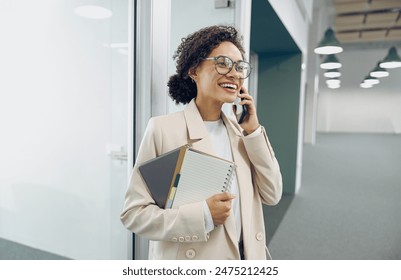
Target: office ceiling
{"type": "Point", "coordinates": [361, 21]}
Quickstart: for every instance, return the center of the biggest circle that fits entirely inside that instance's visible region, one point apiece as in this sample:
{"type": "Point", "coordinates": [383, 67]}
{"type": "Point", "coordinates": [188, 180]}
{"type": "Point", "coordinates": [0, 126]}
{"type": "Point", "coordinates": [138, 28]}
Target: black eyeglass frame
{"type": "Point", "coordinates": [216, 58]}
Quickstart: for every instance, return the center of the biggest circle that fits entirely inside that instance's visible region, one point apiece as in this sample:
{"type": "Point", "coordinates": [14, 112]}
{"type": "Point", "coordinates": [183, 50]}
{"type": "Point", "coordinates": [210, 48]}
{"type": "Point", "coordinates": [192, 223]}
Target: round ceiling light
{"type": "Point", "coordinates": [329, 44]}
{"type": "Point", "coordinates": [93, 12]}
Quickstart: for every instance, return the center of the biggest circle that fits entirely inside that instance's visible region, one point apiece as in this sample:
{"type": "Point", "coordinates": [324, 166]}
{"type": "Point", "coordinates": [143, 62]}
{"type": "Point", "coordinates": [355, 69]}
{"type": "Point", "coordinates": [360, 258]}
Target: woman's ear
{"type": "Point", "coordinates": [192, 74]}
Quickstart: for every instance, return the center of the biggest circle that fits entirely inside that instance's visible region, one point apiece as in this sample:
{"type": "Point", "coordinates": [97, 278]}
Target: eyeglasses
{"type": "Point", "coordinates": [224, 65]}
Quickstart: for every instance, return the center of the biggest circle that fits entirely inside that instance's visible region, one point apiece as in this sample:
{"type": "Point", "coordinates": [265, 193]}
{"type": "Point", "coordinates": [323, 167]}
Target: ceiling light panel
{"type": "Point", "coordinates": [93, 12]}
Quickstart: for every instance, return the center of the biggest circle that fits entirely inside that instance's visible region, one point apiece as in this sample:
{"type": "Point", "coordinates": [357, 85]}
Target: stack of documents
{"type": "Point", "coordinates": [186, 175]}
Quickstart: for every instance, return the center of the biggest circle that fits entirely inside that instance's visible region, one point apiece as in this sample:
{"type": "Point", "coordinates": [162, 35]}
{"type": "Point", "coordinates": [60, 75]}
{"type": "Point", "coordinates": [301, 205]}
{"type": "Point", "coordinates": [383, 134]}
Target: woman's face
{"type": "Point", "coordinates": [214, 86]}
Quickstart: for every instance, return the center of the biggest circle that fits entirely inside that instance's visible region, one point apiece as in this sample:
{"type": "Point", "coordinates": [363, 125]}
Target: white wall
{"type": "Point", "coordinates": [360, 112]}
{"type": "Point", "coordinates": [321, 18]}
{"type": "Point", "coordinates": [296, 16]}
{"type": "Point", "coordinates": [63, 108]}
{"type": "Point", "coordinates": [354, 109]}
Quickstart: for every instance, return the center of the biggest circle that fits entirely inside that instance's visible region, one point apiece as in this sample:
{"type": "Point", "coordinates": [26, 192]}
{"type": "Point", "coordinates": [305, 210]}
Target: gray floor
{"type": "Point", "coordinates": [14, 251]}
{"type": "Point", "coordinates": [349, 206]}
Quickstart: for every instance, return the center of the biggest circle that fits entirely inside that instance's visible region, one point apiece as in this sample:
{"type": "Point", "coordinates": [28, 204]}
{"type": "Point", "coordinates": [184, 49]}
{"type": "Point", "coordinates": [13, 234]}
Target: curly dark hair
{"type": "Point", "coordinates": [192, 50]}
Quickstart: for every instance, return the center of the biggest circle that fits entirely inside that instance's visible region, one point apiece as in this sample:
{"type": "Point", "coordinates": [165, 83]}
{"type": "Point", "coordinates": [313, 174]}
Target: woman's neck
{"type": "Point", "coordinates": [209, 110]}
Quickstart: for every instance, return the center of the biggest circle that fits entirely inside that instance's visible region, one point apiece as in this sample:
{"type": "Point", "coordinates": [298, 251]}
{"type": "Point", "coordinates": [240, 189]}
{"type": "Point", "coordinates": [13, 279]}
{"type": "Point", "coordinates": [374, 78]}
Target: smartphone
{"type": "Point", "coordinates": [241, 112]}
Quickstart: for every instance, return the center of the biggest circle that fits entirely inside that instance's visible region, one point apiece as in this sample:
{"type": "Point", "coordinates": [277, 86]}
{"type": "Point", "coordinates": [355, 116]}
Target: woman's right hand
{"type": "Point", "coordinates": [220, 206]}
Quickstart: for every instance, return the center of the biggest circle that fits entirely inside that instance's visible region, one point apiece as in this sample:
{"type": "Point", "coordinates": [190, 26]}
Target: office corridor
{"type": "Point", "coordinates": [349, 206]}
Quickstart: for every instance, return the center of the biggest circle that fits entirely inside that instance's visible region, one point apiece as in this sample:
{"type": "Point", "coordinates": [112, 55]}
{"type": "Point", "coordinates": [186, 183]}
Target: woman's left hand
{"type": "Point", "coordinates": [251, 122]}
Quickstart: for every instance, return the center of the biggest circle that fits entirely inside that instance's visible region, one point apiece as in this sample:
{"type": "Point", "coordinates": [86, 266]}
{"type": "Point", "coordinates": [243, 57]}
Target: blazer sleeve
{"type": "Point", "coordinates": [140, 213]}
{"type": "Point", "coordinates": [266, 170]}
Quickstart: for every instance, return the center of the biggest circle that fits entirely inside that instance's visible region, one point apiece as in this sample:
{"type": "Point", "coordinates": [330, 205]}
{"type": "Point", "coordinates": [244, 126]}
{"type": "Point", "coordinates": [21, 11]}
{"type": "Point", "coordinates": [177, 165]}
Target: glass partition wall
{"type": "Point", "coordinates": [64, 116]}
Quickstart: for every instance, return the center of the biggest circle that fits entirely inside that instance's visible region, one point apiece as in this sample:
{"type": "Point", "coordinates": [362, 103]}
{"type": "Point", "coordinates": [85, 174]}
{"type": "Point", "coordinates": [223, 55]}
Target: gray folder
{"type": "Point", "coordinates": [158, 174]}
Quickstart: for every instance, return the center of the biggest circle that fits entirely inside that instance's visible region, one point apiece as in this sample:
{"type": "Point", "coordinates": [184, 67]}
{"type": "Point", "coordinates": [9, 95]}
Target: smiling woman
{"type": "Point", "coordinates": [210, 72]}
{"type": "Point", "coordinates": [210, 78]}
{"type": "Point", "coordinates": [191, 53]}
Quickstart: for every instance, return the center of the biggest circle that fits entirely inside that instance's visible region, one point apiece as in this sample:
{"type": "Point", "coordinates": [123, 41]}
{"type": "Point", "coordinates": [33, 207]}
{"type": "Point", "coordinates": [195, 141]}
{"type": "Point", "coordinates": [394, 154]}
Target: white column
{"type": "Point", "coordinates": [153, 41]}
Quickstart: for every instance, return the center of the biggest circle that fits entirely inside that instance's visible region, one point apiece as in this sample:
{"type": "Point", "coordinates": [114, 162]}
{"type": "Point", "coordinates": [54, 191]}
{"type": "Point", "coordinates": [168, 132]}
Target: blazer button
{"type": "Point", "coordinates": [190, 253]}
{"type": "Point", "coordinates": [174, 239]}
{"type": "Point", "coordinates": [259, 236]}
{"type": "Point", "coordinates": [187, 238]}
{"type": "Point", "coordinates": [195, 238]}
{"type": "Point", "coordinates": [181, 239]}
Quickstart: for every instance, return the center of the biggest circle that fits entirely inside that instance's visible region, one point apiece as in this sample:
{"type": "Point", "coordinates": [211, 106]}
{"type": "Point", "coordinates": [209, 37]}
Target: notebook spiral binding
{"type": "Point", "coordinates": [229, 179]}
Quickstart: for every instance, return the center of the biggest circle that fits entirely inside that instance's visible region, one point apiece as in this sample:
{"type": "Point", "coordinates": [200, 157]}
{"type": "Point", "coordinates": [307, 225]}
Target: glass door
{"type": "Point", "coordinates": [64, 103]}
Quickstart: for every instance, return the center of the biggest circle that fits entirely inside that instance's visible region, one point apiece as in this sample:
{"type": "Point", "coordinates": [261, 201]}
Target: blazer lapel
{"type": "Point", "coordinates": [198, 137]}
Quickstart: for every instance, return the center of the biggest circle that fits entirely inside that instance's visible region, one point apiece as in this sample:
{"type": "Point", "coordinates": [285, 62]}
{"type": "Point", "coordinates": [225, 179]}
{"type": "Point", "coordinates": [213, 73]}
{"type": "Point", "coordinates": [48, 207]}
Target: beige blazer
{"type": "Point", "coordinates": [180, 233]}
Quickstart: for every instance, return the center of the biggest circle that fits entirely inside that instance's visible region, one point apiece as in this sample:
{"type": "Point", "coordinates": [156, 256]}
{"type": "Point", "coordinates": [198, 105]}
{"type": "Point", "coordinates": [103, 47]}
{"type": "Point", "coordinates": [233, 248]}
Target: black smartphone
{"type": "Point", "coordinates": [241, 114]}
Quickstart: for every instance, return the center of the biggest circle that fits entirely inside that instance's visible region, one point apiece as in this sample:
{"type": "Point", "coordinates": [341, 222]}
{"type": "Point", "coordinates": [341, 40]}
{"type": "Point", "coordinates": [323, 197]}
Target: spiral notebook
{"type": "Point", "coordinates": [186, 175]}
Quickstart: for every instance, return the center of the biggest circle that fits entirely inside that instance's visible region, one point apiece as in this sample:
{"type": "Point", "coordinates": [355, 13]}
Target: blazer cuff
{"type": "Point", "coordinates": [209, 225]}
{"type": "Point", "coordinates": [253, 134]}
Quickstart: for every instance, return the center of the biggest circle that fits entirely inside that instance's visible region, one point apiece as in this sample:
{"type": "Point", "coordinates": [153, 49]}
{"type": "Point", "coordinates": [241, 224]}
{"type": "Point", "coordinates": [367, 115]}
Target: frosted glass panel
{"type": "Point", "coordinates": [63, 117]}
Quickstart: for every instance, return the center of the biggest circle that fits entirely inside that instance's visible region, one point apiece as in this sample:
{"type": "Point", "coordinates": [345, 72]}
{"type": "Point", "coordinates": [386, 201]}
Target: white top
{"type": "Point", "coordinates": [221, 144]}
